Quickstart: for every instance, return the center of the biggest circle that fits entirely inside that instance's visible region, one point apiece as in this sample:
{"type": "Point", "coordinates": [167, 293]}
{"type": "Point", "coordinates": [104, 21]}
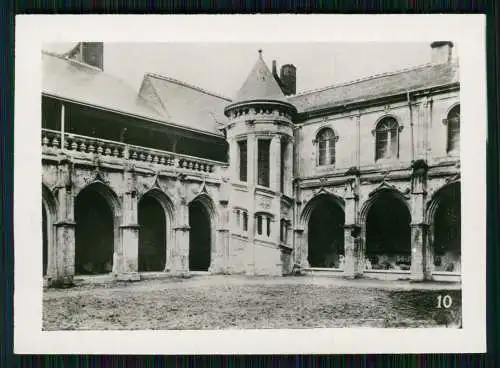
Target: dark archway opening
{"type": "Point", "coordinates": [388, 234]}
{"type": "Point", "coordinates": [94, 234]}
{"type": "Point", "coordinates": [447, 230]}
{"type": "Point", "coordinates": [152, 235]}
{"type": "Point", "coordinates": [199, 237]}
{"type": "Point", "coordinates": [326, 235]}
{"type": "Point", "coordinates": [45, 240]}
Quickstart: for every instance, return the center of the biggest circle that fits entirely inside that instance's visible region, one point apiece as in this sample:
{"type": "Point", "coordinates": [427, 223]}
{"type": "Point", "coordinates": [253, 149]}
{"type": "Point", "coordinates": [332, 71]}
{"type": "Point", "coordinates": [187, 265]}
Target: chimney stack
{"type": "Point", "coordinates": [441, 52]}
{"type": "Point", "coordinates": [288, 77]}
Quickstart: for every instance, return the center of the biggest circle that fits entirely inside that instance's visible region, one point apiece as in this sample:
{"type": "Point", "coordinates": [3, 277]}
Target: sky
{"type": "Point", "coordinates": [223, 67]}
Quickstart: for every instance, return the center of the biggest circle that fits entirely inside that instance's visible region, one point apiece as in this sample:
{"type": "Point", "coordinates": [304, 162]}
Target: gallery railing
{"type": "Point", "coordinates": [51, 140]}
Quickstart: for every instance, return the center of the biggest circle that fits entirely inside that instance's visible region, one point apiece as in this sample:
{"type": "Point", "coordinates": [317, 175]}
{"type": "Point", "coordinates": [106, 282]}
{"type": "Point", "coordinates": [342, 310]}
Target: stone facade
{"type": "Point", "coordinates": [260, 206]}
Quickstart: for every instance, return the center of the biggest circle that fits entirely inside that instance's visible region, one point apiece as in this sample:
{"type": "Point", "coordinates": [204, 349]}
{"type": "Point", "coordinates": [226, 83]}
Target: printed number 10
{"type": "Point", "coordinates": [444, 301]}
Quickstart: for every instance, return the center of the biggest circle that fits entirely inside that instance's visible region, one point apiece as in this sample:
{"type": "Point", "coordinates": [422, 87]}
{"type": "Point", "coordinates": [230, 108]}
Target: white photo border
{"type": "Point", "coordinates": [467, 30]}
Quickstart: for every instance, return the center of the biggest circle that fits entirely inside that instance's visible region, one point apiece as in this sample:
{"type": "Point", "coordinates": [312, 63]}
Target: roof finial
{"type": "Point", "coordinates": [260, 52]}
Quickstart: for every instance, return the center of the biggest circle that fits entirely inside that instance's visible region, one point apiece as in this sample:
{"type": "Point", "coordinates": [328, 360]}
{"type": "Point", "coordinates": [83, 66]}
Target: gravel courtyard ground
{"type": "Point", "coordinates": [235, 302]}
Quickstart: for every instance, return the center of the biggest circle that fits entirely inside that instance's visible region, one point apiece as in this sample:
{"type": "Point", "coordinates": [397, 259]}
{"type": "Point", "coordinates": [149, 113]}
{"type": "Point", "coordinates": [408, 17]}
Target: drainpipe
{"type": "Point", "coordinates": [63, 113]}
{"type": "Point", "coordinates": [411, 126]}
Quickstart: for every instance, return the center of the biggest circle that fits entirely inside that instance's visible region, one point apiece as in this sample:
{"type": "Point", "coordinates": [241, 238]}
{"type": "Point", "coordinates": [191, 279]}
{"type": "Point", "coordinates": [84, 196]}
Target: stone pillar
{"type": "Point", "coordinates": [420, 268]}
{"type": "Point", "coordinates": [220, 254]}
{"type": "Point", "coordinates": [289, 168]}
{"type": "Point", "coordinates": [180, 251]}
{"type": "Point", "coordinates": [251, 160]}
{"type": "Point", "coordinates": [64, 228]}
{"type": "Point", "coordinates": [275, 163]}
{"type": "Point", "coordinates": [126, 256]}
{"type": "Point", "coordinates": [352, 265]}
{"type": "Point", "coordinates": [234, 157]}
{"type": "Point", "coordinates": [301, 250]}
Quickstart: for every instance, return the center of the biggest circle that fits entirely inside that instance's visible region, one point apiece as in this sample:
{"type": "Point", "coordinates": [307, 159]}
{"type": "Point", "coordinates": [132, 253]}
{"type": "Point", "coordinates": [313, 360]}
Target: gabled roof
{"type": "Point", "coordinates": [383, 85]}
{"type": "Point", "coordinates": [260, 84]}
{"type": "Point", "coordinates": [170, 102]}
{"type": "Point", "coordinates": [183, 103]}
{"type": "Point", "coordinates": [75, 81]}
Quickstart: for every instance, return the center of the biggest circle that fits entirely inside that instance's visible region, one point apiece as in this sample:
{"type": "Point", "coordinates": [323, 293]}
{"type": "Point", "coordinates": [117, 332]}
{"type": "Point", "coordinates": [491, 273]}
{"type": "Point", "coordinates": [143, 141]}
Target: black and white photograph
{"type": "Point", "coordinates": [265, 185]}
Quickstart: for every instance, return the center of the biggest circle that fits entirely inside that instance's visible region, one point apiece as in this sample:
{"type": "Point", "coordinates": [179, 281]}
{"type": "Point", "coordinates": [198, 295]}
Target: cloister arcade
{"type": "Point", "coordinates": [385, 222]}
{"type": "Point", "coordinates": [98, 235]}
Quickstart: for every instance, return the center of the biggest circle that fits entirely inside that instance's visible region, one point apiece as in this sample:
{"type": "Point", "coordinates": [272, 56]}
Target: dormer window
{"type": "Point", "coordinates": [387, 139]}
{"type": "Point", "coordinates": [92, 53]}
{"type": "Point", "coordinates": [325, 141]}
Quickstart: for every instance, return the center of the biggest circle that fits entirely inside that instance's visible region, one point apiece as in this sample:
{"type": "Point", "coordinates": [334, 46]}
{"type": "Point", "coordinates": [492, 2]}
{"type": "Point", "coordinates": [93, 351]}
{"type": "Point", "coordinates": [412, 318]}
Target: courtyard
{"type": "Point", "coordinates": [240, 302]}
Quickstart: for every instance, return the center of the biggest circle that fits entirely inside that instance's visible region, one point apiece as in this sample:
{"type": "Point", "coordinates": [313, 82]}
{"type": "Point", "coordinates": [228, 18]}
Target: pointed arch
{"type": "Point", "coordinates": [202, 222]}
{"type": "Point", "coordinates": [376, 193]}
{"type": "Point", "coordinates": [385, 220]}
{"type": "Point", "coordinates": [324, 249]}
{"type": "Point", "coordinates": [314, 201]}
{"type": "Point", "coordinates": [443, 214]}
{"type": "Point", "coordinates": [49, 217]}
{"type": "Point", "coordinates": [97, 217]}
{"type": "Point", "coordinates": [155, 230]}
{"type": "Point", "coordinates": [108, 194]}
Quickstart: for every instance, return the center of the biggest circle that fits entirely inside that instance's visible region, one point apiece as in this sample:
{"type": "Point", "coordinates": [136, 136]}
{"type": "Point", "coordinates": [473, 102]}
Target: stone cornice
{"type": "Point", "coordinates": [382, 100]}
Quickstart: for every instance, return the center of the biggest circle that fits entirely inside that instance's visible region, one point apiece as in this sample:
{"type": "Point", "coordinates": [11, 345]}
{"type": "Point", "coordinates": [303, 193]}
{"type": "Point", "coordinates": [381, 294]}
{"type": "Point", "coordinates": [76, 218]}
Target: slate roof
{"type": "Point", "coordinates": [260, 84]}
{"type": "Point", "coordinates": [387, 84]}
{"type": "Point", "coordinates": [172, 103]}
{"type": "Point", "coordinates": [82, 83]}
{"type": "Point", "coordinates": [185, 104]}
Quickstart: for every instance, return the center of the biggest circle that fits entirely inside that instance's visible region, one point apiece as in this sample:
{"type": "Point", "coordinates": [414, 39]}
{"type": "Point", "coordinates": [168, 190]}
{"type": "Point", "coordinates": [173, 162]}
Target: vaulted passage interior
{"type": "Point", "coordinates": [447, 234]}
{"type": "Point", "coordinates": [326, 234]}
{"type": "Point", "coordinates": [45, 240]}
{"type": "Point", "coordinates": [94, 233]}
{"type": "Point", "coordinates": [199, 237]}
{"type": "Point", "coordinates": [388, 233]}
{"type": "Point", "coordinates": [152, 235]}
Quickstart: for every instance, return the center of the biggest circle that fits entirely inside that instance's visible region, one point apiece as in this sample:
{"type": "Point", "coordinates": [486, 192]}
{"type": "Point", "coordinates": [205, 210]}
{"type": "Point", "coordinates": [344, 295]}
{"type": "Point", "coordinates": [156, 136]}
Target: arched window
{"type": "Point", "coordinates": [387, 139]}
{"type": "Point", "coordinates": [453, 128]}
{"type": "Point", "coordinates": [326, 146]}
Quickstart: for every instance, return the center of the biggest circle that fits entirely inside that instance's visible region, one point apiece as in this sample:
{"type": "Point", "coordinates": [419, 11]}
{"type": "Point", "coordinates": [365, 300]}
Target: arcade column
{"type": "Point", "coordinates": [65, 228]}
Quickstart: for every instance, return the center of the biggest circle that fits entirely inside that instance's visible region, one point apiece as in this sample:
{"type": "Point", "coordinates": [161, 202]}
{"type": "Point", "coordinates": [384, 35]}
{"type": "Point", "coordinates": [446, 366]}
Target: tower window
{"type": "Point", "coordinates": [242, 146]}
{"type": "Point", "coordinates": [282, 165]}
{"type": "Point", "coordinates": [326, 146]}
{"type": "Point", "coordinates": [259, 224]}
{"type": "Point", "coordinates": [245, 221]}
{"type": "Point", "coordinates": [453, 129]}
{"type": "Point", "coordinates": [387, 139]}
{"type": "Point", "coordinates": [263, 162]}
{"type": "Point", "coordinates": [241, 220]}
{"type": "Point", "coordinates": [264, 219]}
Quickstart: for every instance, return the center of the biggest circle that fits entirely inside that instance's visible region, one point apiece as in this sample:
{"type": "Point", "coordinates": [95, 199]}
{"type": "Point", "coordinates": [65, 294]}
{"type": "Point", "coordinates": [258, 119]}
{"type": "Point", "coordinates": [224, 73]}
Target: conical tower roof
{"type": "Point", "coordinates": [260, 84]}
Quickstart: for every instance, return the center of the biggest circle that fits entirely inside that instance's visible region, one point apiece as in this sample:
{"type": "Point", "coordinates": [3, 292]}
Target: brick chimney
{"type": "Point", "coordinates": [288, 77]}
{"type": "Point", "coordinates": [287, 80]}
{"type": "Point", "coordinates": [441, 52]}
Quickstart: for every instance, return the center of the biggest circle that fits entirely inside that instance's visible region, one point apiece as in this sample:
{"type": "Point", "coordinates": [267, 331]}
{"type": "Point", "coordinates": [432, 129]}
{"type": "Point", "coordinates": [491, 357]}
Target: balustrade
{"type": "Point", "coordinates": [51, 140]}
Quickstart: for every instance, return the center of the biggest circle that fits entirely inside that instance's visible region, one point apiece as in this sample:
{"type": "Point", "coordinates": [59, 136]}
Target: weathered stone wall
{"type": "Point", "coordinates": [422, 168]}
